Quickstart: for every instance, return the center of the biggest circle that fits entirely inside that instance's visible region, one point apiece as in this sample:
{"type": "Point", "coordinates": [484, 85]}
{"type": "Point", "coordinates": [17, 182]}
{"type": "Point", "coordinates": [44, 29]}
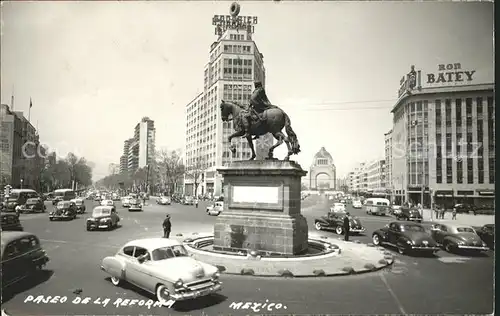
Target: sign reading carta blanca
{"type": "Point", "coordinates": [448, 73]}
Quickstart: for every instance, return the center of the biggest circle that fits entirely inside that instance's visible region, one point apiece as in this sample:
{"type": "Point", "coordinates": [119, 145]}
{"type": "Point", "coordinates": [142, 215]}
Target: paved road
{"type": "Point", "coordinates": [446, 284]}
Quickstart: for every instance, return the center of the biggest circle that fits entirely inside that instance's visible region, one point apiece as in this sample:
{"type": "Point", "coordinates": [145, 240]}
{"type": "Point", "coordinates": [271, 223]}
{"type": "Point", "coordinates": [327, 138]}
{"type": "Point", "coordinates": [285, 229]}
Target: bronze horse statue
{"type": "Point", "coordinates": [275, 119]}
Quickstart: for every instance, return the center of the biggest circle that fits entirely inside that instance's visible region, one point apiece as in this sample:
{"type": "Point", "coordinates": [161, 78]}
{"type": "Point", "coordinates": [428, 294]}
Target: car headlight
{"type": "Point", "coordinates": [460, 242]}
{"type": "Point", "coordinates": [484, 244]}
{"type": "Point", "coordinates": [179, 284]}
{"type": "Point", "coordinates": [410, 242]}
{"type": "Point", "coordinates": [216, 276]}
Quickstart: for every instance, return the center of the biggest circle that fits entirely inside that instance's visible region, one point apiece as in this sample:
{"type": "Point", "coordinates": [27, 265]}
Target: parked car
{"type": "Point", "coordinates": [335, 221]}
{"type": "Point", "coordinates": [22, 257]}
{"type": "Point", "coordinates": [464, 208]}
{"type": "Point", "coordinates": [163, 267]}
{"type": "Point", "coordinates": [406, 237]}
{"type": "Point", "coordinates": [107, 202]}
{"type": "Point", "coordinates": [63, 210]}
{"type": "Point", "coordinates": [32, 205]}
{"type": "Point", "coordinates": [135, 205]}
{"type": "Point", "coordinates": [11, 222]}
{"type": "Point", "coordinates": [376, 206]}
{"type": "Point", "coordinates": [80, 205]}
{"type": "Point", "coordinates": [18, 197]}
{"type": "Point", "coordinates": [215, 209]}
{"type": "Point", "coordinates": [188, 200]}
{"type": "Point", "coordinates": [487, 234]}
{"type": "Point", "coordinates": [409, 214]}
{"type": "Point", "coordinates": [357, 204]}
{"type": "Point", "coordinates": [455, 237]}
{"type": "Point", "coordinates": [395, 209]}
{"type": "Point", "coordinates": [338, 207]}
{"type": "Point", "coordinates": [103, 217]}
{"type": "Point", "coordinates": [164, 200]}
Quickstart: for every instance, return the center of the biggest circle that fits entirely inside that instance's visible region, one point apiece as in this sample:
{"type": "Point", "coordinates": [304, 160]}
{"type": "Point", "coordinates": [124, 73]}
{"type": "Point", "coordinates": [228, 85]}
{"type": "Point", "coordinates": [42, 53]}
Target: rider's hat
{"type": "Point", "coordinates": [258, 83]}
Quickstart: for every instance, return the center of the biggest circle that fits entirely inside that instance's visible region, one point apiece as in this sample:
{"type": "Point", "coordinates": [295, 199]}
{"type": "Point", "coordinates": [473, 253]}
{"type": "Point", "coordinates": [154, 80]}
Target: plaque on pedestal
{"type": "Point", "coordinates": [262, 208]}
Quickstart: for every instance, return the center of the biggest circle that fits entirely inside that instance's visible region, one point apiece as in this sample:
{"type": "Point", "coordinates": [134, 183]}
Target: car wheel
{"type": "Point", "coordinates": [339, 230]}
{"type": "Point", "coordinates": [51, 219]}
{"type": "Point", "coordinates": [88, 228]}
{"type": "Point", "coordinates": [318, 226]}
{"type": "Point", "coordinates": [448, 247]}
{"type": "Point", "coordinates": [376, 239]}
{"type": "Point", "coordinates": [116, 281]}
{"type": "Point", "coordinates": [162, 294]}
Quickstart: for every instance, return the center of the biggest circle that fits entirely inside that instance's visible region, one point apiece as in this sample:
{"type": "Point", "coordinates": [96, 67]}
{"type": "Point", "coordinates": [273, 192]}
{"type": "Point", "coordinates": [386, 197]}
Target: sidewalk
{"type": "Point", "coordinates": [463, 219]}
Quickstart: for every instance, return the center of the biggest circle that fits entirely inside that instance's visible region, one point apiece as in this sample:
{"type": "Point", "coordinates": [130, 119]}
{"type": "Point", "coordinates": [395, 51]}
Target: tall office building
{"type": "Point", "coordinates": [443, 138]}
{"type": "Point", "coordinates": [235, 63]}
{"type": "Point", "coordinates": [139, 151]}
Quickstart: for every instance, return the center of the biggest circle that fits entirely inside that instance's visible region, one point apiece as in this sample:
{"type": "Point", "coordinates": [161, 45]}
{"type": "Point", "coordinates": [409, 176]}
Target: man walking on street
{"type": "Point", "coordinates": [454, 214]}
{"type": "Point", "coordinates": [347, 226]}
{"type": "Point", "coordinates": [167, 226]}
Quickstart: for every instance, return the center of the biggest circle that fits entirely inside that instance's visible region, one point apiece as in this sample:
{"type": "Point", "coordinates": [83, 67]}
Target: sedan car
{"type": "Point", "coordinates": [22, 256]}
{"type": "Point", "coordinates": [406, 237]}
{"type": "Point", "coordinates": [107, 203]}
{"type": "Point", "coordinates": [163, 200]}
{"type": "Point", "coordinates": [357, 204]}
{"type": "Point", "coordinates": [188, 200]}
{"type": "Point", "coordinates": [464, 208]}
{"type": "Point", "coordinates": [338, 207]}
{"type": "Point", "coordinates": [32, 205]}
{"type": "Point", "coordinates": [215, 209]}
{"type": "Point", "coordinates": [409, 214]}
{"type": "Point", "coordinates": [10, 221]}
{"type": "Point", "coordinates": [63, 210]}
{"type": "Point", "coordinates": [162, 267]}
{"type": "Point", "coordinates": [80, 205]}
{"type": "Point", "coordinates": [487, 234]}
{"type": "Point", "coordinates": [135, 205]}
{"type": "Point", "coordinates": [455, 237]}
{"type": "Point", "coordinates": [103, 217]}
{"type": "Point", "coordinates": [335, 221]}
{"type": "Point", "coordinates": [126, 201]}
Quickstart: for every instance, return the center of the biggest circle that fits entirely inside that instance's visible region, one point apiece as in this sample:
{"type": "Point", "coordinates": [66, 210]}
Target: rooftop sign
{"type": "Point", "coordinates": [233, 21]}
{"type": "Point", "coordinates": [450, 73]}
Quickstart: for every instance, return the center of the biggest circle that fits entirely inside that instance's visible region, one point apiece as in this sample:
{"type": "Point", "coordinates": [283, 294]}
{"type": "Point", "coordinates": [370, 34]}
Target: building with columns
{"type": "Point", "coordinates": [443, 139]}
{"type": "Point", "coordinates": [235, 63]}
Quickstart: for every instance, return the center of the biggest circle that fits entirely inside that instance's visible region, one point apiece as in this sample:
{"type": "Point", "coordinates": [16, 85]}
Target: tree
{"type": "Point", "coordinates": [140, 178]}
{"type": "Point", "coordinates": [80, 171]}
{"type": "Point", "coordinates": [195, 171]}
{"type": "Point", "coordinates": [171, 168]}
{"type": "Point", "coordinates": [60, 173]}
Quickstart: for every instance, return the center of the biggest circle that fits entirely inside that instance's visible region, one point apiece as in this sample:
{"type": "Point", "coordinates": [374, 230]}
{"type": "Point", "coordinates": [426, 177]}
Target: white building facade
{"type": "Point", "coordinates": [139, 151]}
{"type": "Point", "coordinates": [235, 63]}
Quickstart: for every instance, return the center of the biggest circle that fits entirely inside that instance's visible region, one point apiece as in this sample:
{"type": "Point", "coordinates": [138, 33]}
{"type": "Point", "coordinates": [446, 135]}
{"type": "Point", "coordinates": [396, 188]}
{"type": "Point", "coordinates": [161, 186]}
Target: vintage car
{"type": "Point", "coordinates": [188, 200]}
{"type": "Point", "coordinates": [456, 237]}
{"type": "Point", "coordinates": [103, 217]}
{"type": "Point", "coordinates": [163, 267]}
{"type": "Point", "coordinates": [337, 207]}
{"type": "Point", "coordinates": [115, 197]}
{"type": "Point", "coordinates": [32, 205]}
{"type": "Point", "coordinates": [63, 210]}
{"type": "Point", "coordinates": [80, 205]}
{"type": "Point", "coordinates": [335, 221]}
{"type": "Point", "coordinates": [22, 257]}
{"type": "Point", "coordinates": [107, 202]}
{"type": "Point", "coordinates": [97, 198]}
{"type": "Point", "coordinates": [125, 201]}
{"type": "Point", "coordinates": [215, 209]}
{"type": "Point", "coordinates": [464, 208]}
{"type": "Point", "coordinates": [135, 205]}
{"type": "Point", "coordinates": [357, 204]}
{"type": "Point", "coordinates": [10, 221]}
{"type": "Point", "coordinates": [406, 237]}
{"type": "Point", "coordinates": [409, 214]}
{"type": "Point", "coordinates": [395, 209]}
{"type": "Point", "coordinates": [487, 234]}
{"type": "Point", "coordinates": [376, 206]}
{"type": "Point", "coordinates": [164, 200]}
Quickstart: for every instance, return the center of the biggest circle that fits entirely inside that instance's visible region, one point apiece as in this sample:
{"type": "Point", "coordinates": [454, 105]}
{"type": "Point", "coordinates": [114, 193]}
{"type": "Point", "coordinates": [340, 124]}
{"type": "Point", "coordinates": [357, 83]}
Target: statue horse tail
{"type": "Point", "coordinates": [292, 137]}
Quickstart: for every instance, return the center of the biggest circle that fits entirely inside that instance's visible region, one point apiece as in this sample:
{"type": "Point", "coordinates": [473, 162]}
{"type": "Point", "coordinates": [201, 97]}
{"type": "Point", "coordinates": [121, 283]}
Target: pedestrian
{"type": "Point", "coordinates": [196, 203]}
{"type": "Point", "coordinates": [347, 226]}
{"type": "Point", "coordinates": [454, 214]}
{"type": "Point", "coordinates": [167, 226]}
{"type": "Point", "coordinates": [436, 211]}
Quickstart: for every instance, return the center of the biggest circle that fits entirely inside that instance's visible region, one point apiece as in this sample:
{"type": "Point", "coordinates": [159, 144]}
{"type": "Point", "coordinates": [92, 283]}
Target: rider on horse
{"type": "Point", "coordinates": [258, 104]}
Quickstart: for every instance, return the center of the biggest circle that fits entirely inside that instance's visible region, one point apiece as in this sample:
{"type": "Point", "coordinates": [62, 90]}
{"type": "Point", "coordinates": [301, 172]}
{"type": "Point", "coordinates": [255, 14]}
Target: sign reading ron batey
{"type": "Point", "coordinates": [117, 302]}
{"type": "Point", "coordinates": [450, 73]}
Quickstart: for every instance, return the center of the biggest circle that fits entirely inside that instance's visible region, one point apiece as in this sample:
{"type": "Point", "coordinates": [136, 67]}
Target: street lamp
{"type": "Point", "coordinates": [22, 183]}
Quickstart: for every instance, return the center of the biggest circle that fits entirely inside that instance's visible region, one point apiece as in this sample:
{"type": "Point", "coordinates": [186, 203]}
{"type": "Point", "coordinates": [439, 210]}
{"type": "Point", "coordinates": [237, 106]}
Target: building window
{"type": "Point", "coordinates": [439, 170]}
{"type": "Point", "coordinates": [479, 103]}
{"type": "Point", "coordinates": [449, 171]}
{"type": "Point", "coordinates": [480, 167]}
{"type": "Point", "coordinates": [468, 111]}
{"type": "Point", "coordinates": [458, 113]}
{"type": "Point", "coordinates": [491, 165]}
{"type": "Point", "coordinates": [470, 171]}
{"type": "Point", "coordinates": [460, 172]}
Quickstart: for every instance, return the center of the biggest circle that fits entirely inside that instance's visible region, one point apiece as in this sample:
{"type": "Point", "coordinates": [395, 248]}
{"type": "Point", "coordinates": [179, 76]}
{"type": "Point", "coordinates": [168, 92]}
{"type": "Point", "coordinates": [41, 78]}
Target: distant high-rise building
{"type": "Point", "coordinates": [235, 63]}
{"type": "Point", "coordinates": [139, 151]}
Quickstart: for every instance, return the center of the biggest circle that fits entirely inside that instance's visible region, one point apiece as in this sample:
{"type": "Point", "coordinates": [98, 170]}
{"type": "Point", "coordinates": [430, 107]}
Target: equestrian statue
{"type": "Point", "coordinates": [259, 118]}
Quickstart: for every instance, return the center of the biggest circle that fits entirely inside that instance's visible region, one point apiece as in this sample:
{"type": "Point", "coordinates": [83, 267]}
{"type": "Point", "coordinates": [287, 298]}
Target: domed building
{"type": "Point", "coordinates": [322, 173]}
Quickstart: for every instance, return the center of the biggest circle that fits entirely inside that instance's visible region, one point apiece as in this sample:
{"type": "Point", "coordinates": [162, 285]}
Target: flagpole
{"type": "Point", "coordinates": [29, 111]}
{"type": "Point", "coordinates": [12, 99]}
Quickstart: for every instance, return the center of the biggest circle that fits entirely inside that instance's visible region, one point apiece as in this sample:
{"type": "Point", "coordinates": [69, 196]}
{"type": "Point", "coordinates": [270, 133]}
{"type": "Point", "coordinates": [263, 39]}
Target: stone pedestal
{"type": "Point", "coordinates": [262, 208]}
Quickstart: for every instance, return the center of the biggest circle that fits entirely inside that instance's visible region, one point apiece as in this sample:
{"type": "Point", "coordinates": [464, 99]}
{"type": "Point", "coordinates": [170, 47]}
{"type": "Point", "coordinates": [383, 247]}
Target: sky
{"type": "Point", "coordinates": [94, 69]}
